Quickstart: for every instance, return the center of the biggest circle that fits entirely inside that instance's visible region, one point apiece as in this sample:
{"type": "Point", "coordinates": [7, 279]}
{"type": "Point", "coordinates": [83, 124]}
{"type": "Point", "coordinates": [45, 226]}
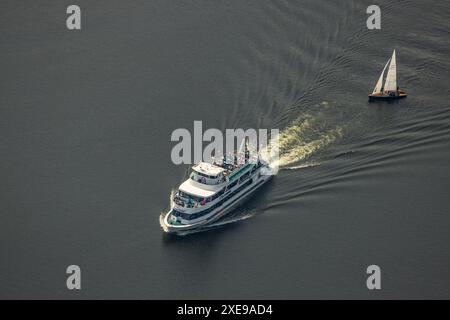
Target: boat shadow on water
{"type": "Point", "coordinates": [198, 234]}
{"type": "Point", "coordinates": [384, 102]}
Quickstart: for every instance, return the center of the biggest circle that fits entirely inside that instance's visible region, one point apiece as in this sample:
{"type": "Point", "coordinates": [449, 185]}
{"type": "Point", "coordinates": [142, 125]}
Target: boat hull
{"type": "Point", "coordinates": [222, 211]}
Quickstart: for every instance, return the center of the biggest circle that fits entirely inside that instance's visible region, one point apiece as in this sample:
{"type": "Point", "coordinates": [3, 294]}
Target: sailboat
{"type": "Point", "coordinates": [388, 90]}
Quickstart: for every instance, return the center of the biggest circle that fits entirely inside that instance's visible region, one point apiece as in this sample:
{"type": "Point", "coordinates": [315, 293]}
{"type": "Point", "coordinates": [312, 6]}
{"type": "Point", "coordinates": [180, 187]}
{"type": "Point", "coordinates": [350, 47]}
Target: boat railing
{"type": "Point", "coordinates": [189, 203]}
{"type": "Point", "coordinates": [210, 182]}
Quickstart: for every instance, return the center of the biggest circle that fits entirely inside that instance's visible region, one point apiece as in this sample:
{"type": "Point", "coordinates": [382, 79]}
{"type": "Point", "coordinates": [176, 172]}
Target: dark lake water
{"type": "Point", "coordinates": [85, 168]}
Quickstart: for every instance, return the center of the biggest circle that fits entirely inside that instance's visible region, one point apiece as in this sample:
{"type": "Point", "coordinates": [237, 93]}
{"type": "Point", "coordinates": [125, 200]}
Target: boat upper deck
{"type": "Point", "coordinates": [208, 169]}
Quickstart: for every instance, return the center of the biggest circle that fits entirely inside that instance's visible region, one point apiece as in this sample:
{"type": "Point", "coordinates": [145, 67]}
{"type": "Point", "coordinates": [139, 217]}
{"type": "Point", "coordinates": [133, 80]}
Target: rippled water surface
{"type": "Point", "coordinates": [86, 118]}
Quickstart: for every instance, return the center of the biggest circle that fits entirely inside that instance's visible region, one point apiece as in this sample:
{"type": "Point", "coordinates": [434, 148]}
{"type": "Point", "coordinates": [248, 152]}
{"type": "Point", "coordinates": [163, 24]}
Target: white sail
{"type": "Point", "coordinates": [391, 78]}
{"type": "Point", "coordinates": [379, 84]}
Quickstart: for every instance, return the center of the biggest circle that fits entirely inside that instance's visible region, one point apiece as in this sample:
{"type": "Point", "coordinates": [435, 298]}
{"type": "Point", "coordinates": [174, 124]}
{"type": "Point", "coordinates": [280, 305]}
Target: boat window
{"type": "Point", "coordinates": [244, 176]}
{"type": "Point", "coordinates": [231, 185]}
{"type": "Point", "coordinates": [218, 194]}
{"type": "Point", "coordinates": [205, 175]}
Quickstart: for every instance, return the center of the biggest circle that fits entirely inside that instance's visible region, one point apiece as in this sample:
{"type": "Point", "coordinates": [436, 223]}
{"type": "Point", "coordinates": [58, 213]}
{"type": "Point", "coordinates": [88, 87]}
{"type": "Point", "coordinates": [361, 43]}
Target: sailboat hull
{"type": "Point", "coordinates": [386, 97]}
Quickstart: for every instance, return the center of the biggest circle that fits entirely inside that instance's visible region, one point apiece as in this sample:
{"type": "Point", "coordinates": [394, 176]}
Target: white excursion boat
{"type": "Point", "coordinates": [388, 90]}
{"type": "Point", "coordinates": [213, 190]}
